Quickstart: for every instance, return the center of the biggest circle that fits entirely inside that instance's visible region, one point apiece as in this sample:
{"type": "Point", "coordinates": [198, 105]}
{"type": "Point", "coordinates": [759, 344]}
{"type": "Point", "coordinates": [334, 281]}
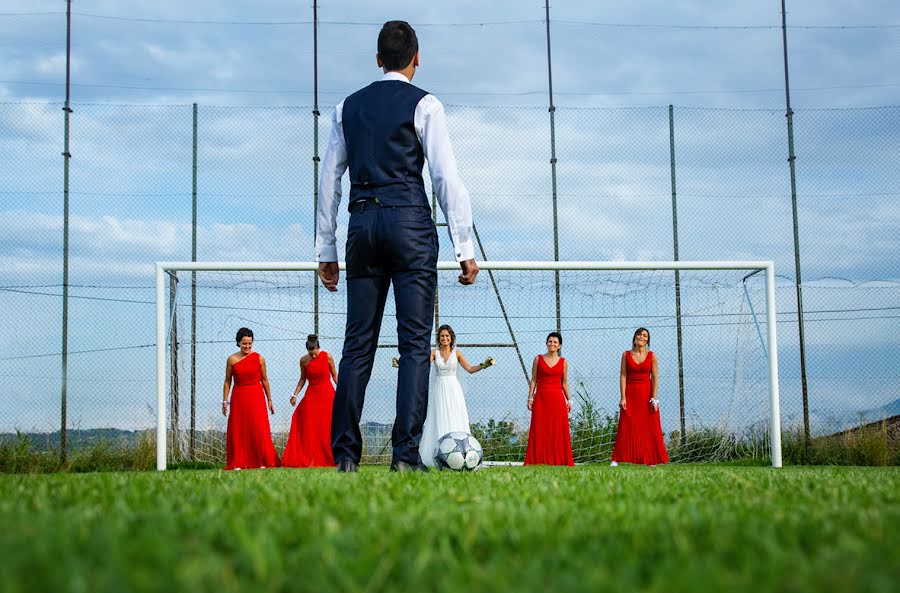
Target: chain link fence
{"type": "Point", "coordinates": [132, 192]}
{"type": "Point", "coordinates": [620, 173]}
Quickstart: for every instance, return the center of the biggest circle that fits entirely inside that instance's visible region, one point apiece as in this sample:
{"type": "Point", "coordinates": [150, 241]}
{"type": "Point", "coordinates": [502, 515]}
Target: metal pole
{"type": "Point", "coordinates": [315, 157]}
{"type": "Point", "coordinates": [160, 369]}
{"type": "Point", "coordinates": [194, 294]}
{"type": "Point", "coordinates": [437, 312]}
{"type": "Point", "coordinates": [63, 448]}
{"type": "Point", "coordinates": [774, 397]}
{"type": "Point", "coordinates": [553, 164]}
{"type": "Point", "coordinates": [791, 160]}
{"type": "Point", "coordinates": [677, 278]}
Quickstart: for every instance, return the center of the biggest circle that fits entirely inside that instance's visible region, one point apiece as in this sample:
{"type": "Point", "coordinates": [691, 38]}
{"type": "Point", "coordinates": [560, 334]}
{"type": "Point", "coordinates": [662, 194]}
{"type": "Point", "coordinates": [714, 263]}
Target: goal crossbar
{"type": "Point", "coordinates": [162, 268]}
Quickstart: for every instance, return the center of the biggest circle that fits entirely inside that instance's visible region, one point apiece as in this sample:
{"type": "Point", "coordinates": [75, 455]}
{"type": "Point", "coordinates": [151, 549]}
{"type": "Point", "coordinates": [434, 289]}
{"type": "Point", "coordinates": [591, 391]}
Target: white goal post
{"type": "Point", "coordinates": [771, 351]}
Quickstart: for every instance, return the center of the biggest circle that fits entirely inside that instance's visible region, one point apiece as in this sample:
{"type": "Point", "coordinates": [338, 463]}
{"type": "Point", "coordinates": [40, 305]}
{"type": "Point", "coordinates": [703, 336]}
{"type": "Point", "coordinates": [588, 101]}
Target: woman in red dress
{"type": "Point", "coordinates": [639, 437]}
{"type": "Point", "coordinates": [248, 442]}
{"type": "Point", "coordinates": [309, 444]}
{"type": "Point", "coordinates": [549, 441]}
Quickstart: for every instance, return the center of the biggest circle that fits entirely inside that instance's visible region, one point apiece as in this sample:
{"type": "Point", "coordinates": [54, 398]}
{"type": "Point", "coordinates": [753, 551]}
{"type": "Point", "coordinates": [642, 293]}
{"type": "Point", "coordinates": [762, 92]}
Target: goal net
{"type": "Point", "coordinates": [711, 325]}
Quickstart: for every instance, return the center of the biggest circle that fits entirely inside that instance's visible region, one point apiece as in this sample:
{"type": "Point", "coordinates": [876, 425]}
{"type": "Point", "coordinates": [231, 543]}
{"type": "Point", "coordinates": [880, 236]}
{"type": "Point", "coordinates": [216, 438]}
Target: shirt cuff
{"type": "Point", "coordinates": [464, 251]}
{"type": "Point", "coordinates": [327, 253]}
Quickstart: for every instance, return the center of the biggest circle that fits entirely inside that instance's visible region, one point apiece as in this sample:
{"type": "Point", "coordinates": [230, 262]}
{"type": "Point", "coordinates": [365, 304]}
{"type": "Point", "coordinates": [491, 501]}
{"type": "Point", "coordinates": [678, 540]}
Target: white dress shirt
{"type": "Point", "coordinates": [431, 128]}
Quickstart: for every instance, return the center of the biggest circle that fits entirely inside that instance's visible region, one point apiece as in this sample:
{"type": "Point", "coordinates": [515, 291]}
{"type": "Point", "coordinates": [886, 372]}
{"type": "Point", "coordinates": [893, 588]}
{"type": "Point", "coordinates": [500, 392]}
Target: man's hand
{"type": "Point", "coordinates": [469, 271]}
{"type": "Point", "coordinates": [329, 273]}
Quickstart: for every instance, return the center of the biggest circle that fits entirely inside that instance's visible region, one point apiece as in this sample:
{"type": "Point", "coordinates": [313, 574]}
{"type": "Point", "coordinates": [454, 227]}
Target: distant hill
{"type": "Point", "coordinates": [77, 439]}
{"type": "Point", "coordinates": [87, 438]}
{"type": "Point", "coordinates": [886, 411]}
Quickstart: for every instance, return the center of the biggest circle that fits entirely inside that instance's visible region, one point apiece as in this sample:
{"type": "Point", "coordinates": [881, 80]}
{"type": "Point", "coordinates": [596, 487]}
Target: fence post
{"type": "Point", "coordinates": [677, 277]}
{"type": "Point", "coordinates": [63, 445]}
{"type": "Point", "coordinates": [791, 158]}
{"type": "Point", "coordinates": [316, 114]}
{"type": "Point", "coordinates": [194, 291]}
{"type": "Point", "coordinates": [553, 165]}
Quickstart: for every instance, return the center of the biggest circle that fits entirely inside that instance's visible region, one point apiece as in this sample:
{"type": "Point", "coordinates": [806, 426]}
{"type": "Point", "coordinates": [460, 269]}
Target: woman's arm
{"type": "Point", "coordinates": [654, 384]}
{"type": "Point", "coordinates": [304, 360]}
{"type": "Point", "coordinates": [227, 386]}
{"type": "Point", "coordinates": [622, 377]}
{"type": "Point", "coordinates": [264, 379]}
{"type": "Point", "coordinates": [532, 382]}
{"type": "Point", "coordinates": [471, 369]}
{"type": "Point", "coordinates": [333, 368]}
{"type": "Point", "coordinates": [565, 385]}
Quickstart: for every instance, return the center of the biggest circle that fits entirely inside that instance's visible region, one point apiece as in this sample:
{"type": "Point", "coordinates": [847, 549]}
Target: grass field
{"type": "Point", "coordinates": [687, 528]}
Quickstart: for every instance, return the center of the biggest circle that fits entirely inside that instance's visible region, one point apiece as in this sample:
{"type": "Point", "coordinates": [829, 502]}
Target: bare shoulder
{"type": "Point", "coordinates": [304, 360]}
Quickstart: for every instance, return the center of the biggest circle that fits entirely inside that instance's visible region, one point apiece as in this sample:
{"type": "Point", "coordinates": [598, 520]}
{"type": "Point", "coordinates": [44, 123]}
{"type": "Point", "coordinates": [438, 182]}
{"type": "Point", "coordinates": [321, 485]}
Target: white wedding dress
{"type": "Point", "coordinates": [446, 406]}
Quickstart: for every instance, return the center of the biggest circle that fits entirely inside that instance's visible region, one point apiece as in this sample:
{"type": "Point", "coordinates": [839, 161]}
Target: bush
{"type": "Point", "coordinates": [502, 440]}
{"type": "Point", "coordinates": [19, 457]}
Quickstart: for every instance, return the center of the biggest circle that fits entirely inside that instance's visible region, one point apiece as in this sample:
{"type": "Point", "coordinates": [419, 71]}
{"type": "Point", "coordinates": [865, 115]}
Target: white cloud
{"type": "Point", "coordinates": [32, 244]}
{"type": "Point", "coordinates": [55, 64]}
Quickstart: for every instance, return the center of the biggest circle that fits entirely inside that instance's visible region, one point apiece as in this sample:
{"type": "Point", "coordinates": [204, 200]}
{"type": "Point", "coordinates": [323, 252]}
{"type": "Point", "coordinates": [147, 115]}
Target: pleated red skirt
{"type": "Point", "coordinates": [309, 444]}
{"type": "Point", "coordinates": [639, 437]}
{"type": "Point", "coordinates": [549, 440]}
{"type": "Point", "coordinates": [248, 441]}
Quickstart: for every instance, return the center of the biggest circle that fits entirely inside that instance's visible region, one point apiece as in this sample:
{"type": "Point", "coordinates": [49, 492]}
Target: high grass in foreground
{"type": "Point", "coordinates": [590, 528]}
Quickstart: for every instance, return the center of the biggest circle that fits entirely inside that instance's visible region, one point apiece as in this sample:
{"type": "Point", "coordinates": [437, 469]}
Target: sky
{"type": "Point", "coordinates": [616, 67]}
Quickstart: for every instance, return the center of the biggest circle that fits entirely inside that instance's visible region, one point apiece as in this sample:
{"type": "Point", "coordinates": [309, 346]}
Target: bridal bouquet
{"type": "Point", "coordinates": [488, 362]}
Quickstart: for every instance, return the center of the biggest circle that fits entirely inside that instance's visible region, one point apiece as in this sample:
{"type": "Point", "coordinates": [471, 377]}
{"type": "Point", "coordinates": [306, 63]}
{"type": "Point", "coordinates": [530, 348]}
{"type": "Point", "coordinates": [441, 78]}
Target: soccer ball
{"type": "Point", "coordinates": [458, 451]}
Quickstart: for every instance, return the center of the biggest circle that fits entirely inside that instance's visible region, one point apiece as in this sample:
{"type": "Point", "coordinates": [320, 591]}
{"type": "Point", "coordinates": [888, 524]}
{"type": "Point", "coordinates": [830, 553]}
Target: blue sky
{"type": "Point", "coordinates": [137, 67]}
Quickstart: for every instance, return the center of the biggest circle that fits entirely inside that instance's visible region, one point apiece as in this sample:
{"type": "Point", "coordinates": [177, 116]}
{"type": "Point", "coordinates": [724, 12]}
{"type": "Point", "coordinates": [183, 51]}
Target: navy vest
{"type": "Point", "coordinates": [384, 155]}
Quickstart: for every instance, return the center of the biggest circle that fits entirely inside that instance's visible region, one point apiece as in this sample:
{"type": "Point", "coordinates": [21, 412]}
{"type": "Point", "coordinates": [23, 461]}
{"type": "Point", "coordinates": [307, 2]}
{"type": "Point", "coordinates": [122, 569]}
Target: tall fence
{"type": "Point", "coordinates": [622, 173]}
{"type": "Point", "coordinates": [131, 205]}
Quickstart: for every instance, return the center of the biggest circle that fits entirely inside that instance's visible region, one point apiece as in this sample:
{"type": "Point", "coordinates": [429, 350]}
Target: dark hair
{"type": "Point", "coordinates": [556, 335]}
{"type": "Point", "coordinates": [450, 331]}
{"type": "Point", "coordinates": [639, 330]}
{"type": "Point", "coordinates": [312, 341]}
{"type": "Point", "coordinates": [397, 45]}
{"type": "Point", "coordinates": [243, 333]}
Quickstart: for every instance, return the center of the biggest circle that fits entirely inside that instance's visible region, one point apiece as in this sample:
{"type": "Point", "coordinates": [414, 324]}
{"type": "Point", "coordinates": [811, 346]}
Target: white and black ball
{"type": "Point", "coordinates": [458, 451]}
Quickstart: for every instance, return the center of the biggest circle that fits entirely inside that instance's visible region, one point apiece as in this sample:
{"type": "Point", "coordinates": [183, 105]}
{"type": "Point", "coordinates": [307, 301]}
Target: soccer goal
{"type": "Point", "coordinates": [712, 327]}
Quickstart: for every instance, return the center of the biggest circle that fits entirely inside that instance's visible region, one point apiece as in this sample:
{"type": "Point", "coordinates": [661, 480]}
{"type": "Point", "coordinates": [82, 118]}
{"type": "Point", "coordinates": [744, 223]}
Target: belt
{"type": "Point", "coordinates": [361, 204]}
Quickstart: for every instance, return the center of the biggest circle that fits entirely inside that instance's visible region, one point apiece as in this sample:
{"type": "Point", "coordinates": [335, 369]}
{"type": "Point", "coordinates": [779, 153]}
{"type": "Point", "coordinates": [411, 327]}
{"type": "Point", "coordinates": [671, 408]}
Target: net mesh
{"type": "Point", "coordinates": [718, 411]}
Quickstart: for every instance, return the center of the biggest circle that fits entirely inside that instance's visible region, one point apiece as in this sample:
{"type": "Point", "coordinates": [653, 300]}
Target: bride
{"type": "Point", "coordinates": [446, 404]}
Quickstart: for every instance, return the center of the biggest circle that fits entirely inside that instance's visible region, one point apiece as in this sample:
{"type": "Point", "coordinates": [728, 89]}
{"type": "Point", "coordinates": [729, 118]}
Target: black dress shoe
{"type": "Point", "coordinates": [347, 466]}
{"type": "Point", "coordinates": [402, 466]}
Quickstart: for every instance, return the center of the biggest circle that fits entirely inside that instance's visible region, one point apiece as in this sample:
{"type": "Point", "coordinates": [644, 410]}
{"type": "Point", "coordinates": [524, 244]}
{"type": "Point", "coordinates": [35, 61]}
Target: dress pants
{"type": "Point", "coordinates": [386, 245]}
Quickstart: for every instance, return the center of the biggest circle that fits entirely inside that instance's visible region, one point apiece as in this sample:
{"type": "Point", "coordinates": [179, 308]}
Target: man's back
{"type": "Point", "coordinates": [384, 154]}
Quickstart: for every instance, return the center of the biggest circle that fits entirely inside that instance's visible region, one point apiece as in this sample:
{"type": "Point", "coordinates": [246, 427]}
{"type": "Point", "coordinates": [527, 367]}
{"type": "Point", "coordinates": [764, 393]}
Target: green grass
{"type": "Point", "coordinates": [687, 528]}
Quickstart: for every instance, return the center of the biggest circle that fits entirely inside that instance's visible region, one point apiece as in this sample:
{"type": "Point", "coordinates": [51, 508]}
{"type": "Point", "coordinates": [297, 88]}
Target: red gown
{"type": "Point", "coordinates": [639, 437]}
{"type": "Point", "coordinates": [309, 444]}
{"type": "Point", "coordinates": [248, 442]}
{"type": "Point", "coordinates": [549, 441]}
